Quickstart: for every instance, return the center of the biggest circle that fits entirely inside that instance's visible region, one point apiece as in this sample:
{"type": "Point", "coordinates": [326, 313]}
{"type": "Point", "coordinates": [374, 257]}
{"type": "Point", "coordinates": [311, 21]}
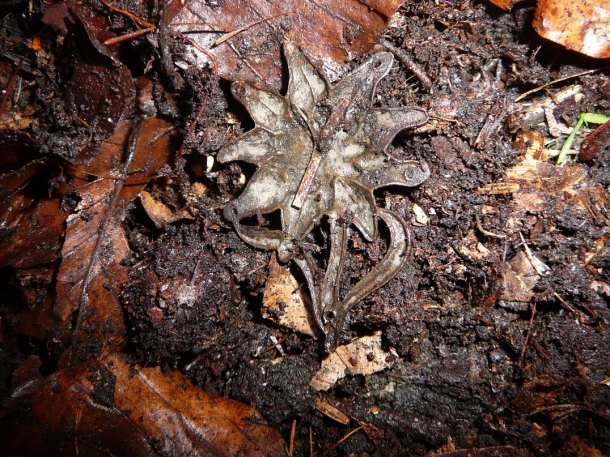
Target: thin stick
{"type": "Point", "coordinates": [292, 433]}
{"type": "Point", "coordinates": [565, 78]}
{"type": "Point", "coordinates": [409, 63]}
{"type": "Point", "coordinates": [147, 26]}
{"type": "Point", "coordinates": [310, 442]}
{"type": "Point", "coordinates": [334, 446]}
{"type": "Point", "coordinates": [529, 332]}
{"type": "Point", "coordinates": [129, 36]}
{"type": "Point", "coordinates": [230, 35]}
{"type": "Point", "coordinates": [487, 232]}
{"type": "Point", "coordinates": [530, 257]}
{"type": "Point", "coordinates": [133, 17]}
{"type": "Point", "coordinates": [563, 302]}
{"type": "Point", "coordinates": [207, 53]}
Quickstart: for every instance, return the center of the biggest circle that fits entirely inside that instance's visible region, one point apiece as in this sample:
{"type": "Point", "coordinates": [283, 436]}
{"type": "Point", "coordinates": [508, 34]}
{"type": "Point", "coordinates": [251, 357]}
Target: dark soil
{"type": "Point", "coordinates": [476, 370]}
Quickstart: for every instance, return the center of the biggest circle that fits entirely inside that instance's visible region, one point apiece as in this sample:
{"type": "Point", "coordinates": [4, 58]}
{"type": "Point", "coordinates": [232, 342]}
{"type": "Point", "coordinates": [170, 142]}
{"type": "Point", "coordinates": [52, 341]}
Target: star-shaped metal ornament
{"type": "Point", "coordinates": [320, 151]}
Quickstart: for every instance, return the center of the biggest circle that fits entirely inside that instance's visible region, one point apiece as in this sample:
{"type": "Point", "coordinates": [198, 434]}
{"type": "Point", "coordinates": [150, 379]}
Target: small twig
{"type": "Point", "coordinates": [409, 63]}
{"type": "Point", "coordinates": [277, 344]}
{"type": "Point", "coordinates": [336, 445]}
{"type": "Point", "coordinates": [529, 332]}
{"type": "Point", "coordinates": [535, 263]}
{"type": "Point", "coordinates": [565, 78]}
{"type": "Point", "coordinates": [491, 125]}
{"type": "Point", "coordinates": [9, 87]}
{"type": "Point", "coordinates": [487, 232]}
{"type": "Point", "coordinates": [129, 36]}
{"type": "Point", "coordinates": [293, 430]}
{"type": "Point", "coordinates": [130, 15]}
{"type": "Point", "coordinates": [230, 35]}
{"type": "Point", "coordinates": [146, 26]}
{"type": "Point", "coordinates": [207, 53]}
{"type": "Point", "coordinates": [310, 442]}
{"type": "Point", "coordinates": [563, 302]}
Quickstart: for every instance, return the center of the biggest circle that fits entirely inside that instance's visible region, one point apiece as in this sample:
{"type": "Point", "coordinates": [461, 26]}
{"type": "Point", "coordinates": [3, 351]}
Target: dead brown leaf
{"type": "Point", "coordinates": [31, 232]}
{"type": "Point", "coordinates": [32, 220]}
{"type": "Point", "coordinates": [504, 4]}
{"type": "Point", "coordinates": [582, 26]}
{"type": "Point", "coordinates": [540, 182]}
{"type": "Point", "coordinates": [329, 32]}
{"type": "Point", "coordinates": [114, 408]}
{"type": "Point", "coordinates": [472, 248]}
{"type": "Point", "coordinates": [91, 273]}
{"type": "Point", "coordinates": [518, 279]}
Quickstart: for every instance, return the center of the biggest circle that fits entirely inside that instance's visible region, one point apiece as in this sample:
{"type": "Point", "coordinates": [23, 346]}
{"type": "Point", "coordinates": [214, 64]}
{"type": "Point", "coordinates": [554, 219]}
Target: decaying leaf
{"type": "Point", "coordinates": [504, 4]}
{"type": "Point", "coordinates": [282, 301]}
{"type": "Point", "coordinates": [518, 280]}
{"type": "Point", "coordinates": [32, 230]}
{"type": "Point", "coordinates": [331, 32]}
{"type": "Point", "coordinates": [114, 408]}
{"type": "Point", "coordinates": [579, 26]}
{"type": "Point", "coordinates": [582, 26]}
{"type": "Point", "coordinates": [364, 356]}
{"type": "Point", "coordinates": [91, 273]}
{"type": "Point", "coordinates": [531, 143]}
{"type": "Point", "coordinates": [541, 182]}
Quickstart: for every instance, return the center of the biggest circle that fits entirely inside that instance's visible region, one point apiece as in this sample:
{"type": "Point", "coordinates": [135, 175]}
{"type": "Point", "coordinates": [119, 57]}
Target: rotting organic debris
{"type": "Point", "coordinates": [320, 152]}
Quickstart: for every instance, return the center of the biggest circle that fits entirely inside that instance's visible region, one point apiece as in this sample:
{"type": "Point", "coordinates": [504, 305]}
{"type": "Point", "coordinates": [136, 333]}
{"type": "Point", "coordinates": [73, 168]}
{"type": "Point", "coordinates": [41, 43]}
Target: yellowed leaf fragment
{"type": "Point", "coordinates": [282, 301]}
{"type": "Point", "coordinates": [159, 212]}
{"type": "Point", "coordinates": [362, 356]}
{"type": "Point", "coordinates": [582, 26]}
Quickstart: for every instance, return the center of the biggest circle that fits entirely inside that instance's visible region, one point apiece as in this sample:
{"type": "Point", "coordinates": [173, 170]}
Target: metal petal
{"type": "Point", "coordinates": [305, 86]}
{"type": "Point", "coordinates": [353, 200]}
{"type": "Point", "coordinates": [358, 87]}
{"type": "Point", "coordinates": [268, 110]}
{"type": "Point", "coordinates": [383, 172]}
{"type": "Point", "coordinates": [253, 147]}
{"type": "Point", "coordinates": [382, 125]}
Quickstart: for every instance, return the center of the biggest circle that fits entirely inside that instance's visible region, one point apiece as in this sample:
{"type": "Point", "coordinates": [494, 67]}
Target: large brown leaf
{"type": "Point", "coordinates": [582, 26]}
{"type": "Point", "coordinates": [114, 408]}
{"type": "Point", "coordinates": [91, 273]}
{"type": "Point", "coordinates": [330, 32]}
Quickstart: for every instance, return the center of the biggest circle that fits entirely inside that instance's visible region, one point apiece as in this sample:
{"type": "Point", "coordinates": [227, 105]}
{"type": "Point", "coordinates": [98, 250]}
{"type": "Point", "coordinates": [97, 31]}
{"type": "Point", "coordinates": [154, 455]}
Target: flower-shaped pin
{"type": "Point", "coordinates": [320, 152]}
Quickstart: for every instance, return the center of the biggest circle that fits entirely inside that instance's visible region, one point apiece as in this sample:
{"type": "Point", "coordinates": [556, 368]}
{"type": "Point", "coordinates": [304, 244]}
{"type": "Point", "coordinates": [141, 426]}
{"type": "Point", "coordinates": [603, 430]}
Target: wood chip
{"type": "Point", "coordinates": [330, 411]}
{"type": "Point", "coordinates": [497, 188]}
{"type": "Point", "coordinates": [420, 215]}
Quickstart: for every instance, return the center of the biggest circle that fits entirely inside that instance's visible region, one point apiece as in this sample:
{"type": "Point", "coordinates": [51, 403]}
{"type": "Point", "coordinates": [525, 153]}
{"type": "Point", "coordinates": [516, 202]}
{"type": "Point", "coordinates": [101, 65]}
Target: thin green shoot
{"type": "Point", "coordinates": [584, 118]}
